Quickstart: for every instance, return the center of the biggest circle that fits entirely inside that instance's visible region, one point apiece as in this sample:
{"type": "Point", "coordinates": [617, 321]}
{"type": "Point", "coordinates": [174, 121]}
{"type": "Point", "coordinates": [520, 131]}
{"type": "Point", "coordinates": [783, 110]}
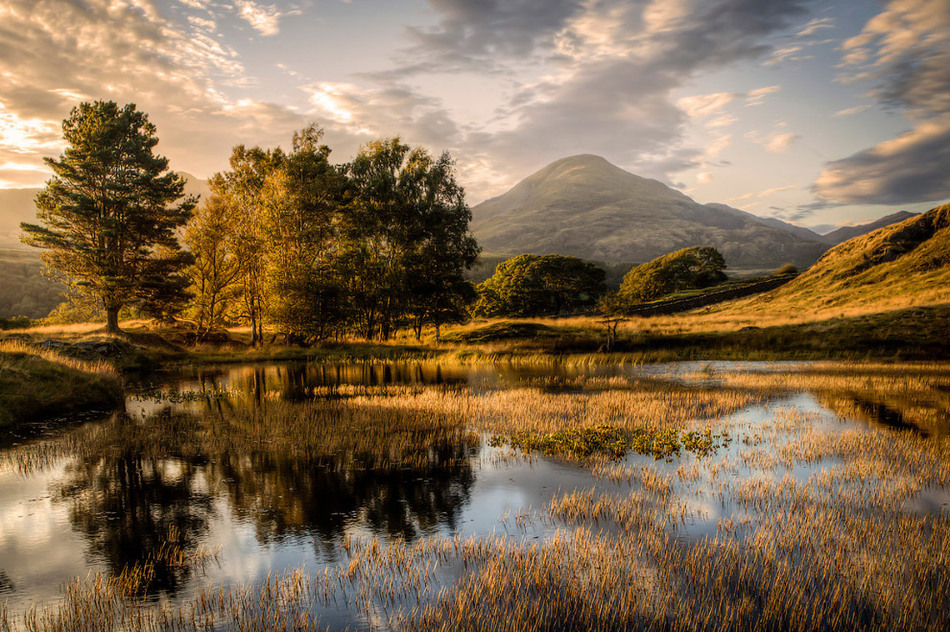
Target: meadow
{"type": "Point", "coordinates": [696, 496]}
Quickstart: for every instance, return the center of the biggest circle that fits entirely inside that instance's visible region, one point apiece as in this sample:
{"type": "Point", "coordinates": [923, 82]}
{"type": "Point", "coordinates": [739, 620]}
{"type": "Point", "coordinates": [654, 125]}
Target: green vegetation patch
{"type": "Point", "coordinates": [614, 443]}
{"type": "Point", "coordinates": [37, 386]}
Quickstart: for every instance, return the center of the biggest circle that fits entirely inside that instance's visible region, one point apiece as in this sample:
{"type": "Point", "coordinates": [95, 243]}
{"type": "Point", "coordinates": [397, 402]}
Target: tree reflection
{"type": "Point", "coordinates": [308, 469]}
{"type": "Point", "coordinates": [319, 498]}
{"type": "Point", "coordinates": [129, 506]}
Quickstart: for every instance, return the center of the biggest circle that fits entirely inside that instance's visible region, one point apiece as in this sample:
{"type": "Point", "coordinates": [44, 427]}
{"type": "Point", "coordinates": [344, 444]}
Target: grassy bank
{"type": "Point", "coordinates": [36, 384]}
{"type": "Point", "coordinates": [917, 333]}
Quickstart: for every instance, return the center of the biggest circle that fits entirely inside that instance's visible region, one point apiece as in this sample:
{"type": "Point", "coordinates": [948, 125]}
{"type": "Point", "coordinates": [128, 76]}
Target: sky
{"type": "Point", "coordinates": [820, 113]}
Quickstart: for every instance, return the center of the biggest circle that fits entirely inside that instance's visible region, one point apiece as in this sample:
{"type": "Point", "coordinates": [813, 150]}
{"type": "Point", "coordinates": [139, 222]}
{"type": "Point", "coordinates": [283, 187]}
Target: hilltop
{"type": "Point", "coordinates": [586, 207]}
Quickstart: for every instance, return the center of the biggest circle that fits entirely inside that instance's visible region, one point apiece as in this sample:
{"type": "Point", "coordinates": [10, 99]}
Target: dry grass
{"type": "Point", "coordinates": [37, 383]}
{"type": "Point", "coordinates": [821, 524]}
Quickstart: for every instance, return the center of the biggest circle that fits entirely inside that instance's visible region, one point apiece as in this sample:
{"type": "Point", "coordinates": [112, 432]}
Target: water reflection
{"type": "Point", "coordinates": [289, 469]}
{"type": "Point", "coordinates": [129, 506]}
{"type": "Point", "coordinates": [267, 459]}
{"type": "Point", "coordinates": [283, 497]}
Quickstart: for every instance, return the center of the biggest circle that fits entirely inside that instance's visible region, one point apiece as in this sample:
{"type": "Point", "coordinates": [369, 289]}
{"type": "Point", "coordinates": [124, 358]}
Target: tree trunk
{"type": "Point", "coordinates": [112, 320]}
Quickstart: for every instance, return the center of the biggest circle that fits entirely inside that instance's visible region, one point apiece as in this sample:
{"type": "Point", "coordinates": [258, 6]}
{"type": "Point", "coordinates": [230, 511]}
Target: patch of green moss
{"type": "Point", "coordinates": [614, 443]}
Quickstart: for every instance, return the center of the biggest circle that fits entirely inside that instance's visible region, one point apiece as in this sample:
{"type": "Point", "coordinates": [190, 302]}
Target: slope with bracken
{"type": "Point", "coordinates": [900, 266]}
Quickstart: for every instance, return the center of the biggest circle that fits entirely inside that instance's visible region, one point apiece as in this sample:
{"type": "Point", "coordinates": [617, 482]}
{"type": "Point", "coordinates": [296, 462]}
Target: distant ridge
{"type": "Point", "coordinates": [850, 232]}
{"type": "Point", "coordinates": [587, 207]}
{"type": "Point", "coordinates": [16, 205]}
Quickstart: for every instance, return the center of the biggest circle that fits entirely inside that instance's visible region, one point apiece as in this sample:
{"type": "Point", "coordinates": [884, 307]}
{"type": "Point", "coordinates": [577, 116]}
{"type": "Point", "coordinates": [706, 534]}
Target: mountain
{"type": "Point", "coordinates": [850, 232]}
{"type": "Point", "coordinates": [16, 205]}
{"type": "Point", "coordinates": [774, 222]}
{"type": "Point", "coordinates": [902, 265]}
{"type": "Point", "coordinates": [586, 207]}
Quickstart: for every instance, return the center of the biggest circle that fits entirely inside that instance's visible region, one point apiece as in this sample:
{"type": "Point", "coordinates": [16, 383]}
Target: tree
{"type": "Point", "coordinates": [409, 237]}
{"type": "Point", "coordinates": [300, 203]}
{"type": "Point", "coordinates": [216, 267]}
{"type": "Point", "coordinates": [109, 214]}
{"type": "Point", "coordinates": [537, 285]}
{"type": "Point", "coordinates": [684, 269]}
{"type": "Point", "coordinates": [242, 188]}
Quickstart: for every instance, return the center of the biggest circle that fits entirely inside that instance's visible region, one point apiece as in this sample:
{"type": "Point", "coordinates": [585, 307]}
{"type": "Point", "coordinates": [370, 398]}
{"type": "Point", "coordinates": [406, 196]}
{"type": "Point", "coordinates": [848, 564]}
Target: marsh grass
{"type": "Point", "coordinates": [813, 522]}
{"type": "Point", "coordinates": [614, 443]}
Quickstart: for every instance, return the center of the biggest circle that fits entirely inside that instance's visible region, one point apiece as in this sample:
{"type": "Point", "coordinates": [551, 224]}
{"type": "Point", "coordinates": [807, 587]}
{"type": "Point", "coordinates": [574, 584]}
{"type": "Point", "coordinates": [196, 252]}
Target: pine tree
{"type": "Point", "coordinates": [109, 214]}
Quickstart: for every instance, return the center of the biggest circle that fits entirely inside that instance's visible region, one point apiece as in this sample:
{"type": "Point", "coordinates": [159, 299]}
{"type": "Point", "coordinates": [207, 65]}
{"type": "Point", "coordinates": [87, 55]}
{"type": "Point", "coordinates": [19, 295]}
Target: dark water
{"type": "Point", "coordinates": [63, 515]}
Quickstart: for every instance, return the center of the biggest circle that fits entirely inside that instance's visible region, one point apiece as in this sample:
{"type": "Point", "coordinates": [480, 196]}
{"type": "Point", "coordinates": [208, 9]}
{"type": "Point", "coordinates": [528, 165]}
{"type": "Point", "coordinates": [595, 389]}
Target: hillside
{"type": "Point", "coordinates": [845, 233]}
{"type": "Point", "coordinates": [899, 266]}
{"type": "Point", "coordinates": [24, 290]}
{"type": "Point", "coordinates": [586, 207]}
{"type": "Point", "coordinates": [774, 222]}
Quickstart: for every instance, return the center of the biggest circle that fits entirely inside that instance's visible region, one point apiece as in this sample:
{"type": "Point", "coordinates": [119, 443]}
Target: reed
{"type": "Point", "coordinates": [809, 520]}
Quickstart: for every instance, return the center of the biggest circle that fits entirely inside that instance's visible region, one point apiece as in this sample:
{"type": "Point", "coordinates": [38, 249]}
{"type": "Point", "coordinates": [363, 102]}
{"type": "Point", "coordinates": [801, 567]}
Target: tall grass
{"type": "Point", "coordinates": [813, 521]}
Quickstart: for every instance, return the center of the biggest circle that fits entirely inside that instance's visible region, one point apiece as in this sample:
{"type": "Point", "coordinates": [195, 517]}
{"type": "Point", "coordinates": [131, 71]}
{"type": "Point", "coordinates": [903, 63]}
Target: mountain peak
{"type": "Point", "coordinates": [587, 207]}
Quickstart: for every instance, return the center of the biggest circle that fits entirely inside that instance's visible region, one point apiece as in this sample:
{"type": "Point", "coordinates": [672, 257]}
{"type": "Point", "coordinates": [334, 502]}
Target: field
{"type": "Point", "coordinates": [695, 497]}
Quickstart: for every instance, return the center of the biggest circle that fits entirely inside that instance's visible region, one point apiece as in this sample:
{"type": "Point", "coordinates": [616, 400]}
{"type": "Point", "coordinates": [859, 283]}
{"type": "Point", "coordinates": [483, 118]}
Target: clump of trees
{"type": "Point", "coordinates": [110, 213]}
{"type": "Point", "coordinates": [290, 241]}
{"type": "Point", "coordinates": [689, 268]}
{"type": "Point", "coordinates": [540, 285]}
{"type": "Point", "coordinates": [287, 241]}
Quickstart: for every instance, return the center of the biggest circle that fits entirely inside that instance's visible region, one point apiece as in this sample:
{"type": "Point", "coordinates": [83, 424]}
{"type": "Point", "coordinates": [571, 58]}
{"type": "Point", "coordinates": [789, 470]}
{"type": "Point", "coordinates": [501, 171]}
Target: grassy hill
{"type": "Point", "coordinates": [586, 207]}
{"type": "Point", "coordinates": [900, 266]}
{"type": "Point", "coordinates": [845, 233]}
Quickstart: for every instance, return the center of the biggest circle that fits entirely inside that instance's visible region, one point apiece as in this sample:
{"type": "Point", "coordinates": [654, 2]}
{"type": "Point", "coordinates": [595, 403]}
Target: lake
{"type": "Point", "coordinates": [409, 495]}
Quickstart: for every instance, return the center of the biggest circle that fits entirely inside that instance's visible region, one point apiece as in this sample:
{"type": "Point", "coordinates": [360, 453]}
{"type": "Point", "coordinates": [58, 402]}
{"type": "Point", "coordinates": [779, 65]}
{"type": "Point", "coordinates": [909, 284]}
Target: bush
{"type": "Point", "coordinates": [17, 322]}
{"type": "Point", "coordinates": [686, 269]}
{"type": "Point", "coordinates": [788, 268]}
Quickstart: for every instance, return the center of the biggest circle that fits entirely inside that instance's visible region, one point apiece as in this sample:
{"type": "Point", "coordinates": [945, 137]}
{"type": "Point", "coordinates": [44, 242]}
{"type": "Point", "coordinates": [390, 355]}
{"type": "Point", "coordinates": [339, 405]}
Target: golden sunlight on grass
{"type": "Point", "coordinates": [814, 521]}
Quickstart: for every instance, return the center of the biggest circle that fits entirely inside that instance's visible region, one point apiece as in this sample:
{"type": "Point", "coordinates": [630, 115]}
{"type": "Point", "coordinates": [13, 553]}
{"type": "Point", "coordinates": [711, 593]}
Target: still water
{"type": "Point", "coordinates": [67, 510]}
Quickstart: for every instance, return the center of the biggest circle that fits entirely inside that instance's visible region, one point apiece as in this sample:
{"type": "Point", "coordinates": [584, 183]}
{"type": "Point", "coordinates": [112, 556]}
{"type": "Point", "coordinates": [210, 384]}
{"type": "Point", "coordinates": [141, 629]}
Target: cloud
{"type": "Point", "coordinates": [606, 72]}
{"type": "Point", "coordinates": [760, 194]}
{"type": "Point", "coordinates": [716, 147]}
{"type": "Point", "coordinates": [855, 110]}
{"type": "Point", "coordinates": [757, 96]}
{"type": "Point", "coordinates": [780, 143]}
{"type": "Point", "coordinates": [703, 105]}
{"type": "Point", "coordinates": [722, 121]}
{"type": "Point", "coordinates": [904, 52]}
{"type": "Point", "coordinates": [789, 53]}
{"type": "Point", "coordinates": [814, 25]}
{"type": "Point", "coordinates": [910, 168]}
{"type": "Point", "coordinates": [386, 109]}
{"type": "Point", "coordinates": [476, 33]}
{"type": "Point", "coordinates": [56, 53]}
{"type": "Point", "coordinates": [264, 19]}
